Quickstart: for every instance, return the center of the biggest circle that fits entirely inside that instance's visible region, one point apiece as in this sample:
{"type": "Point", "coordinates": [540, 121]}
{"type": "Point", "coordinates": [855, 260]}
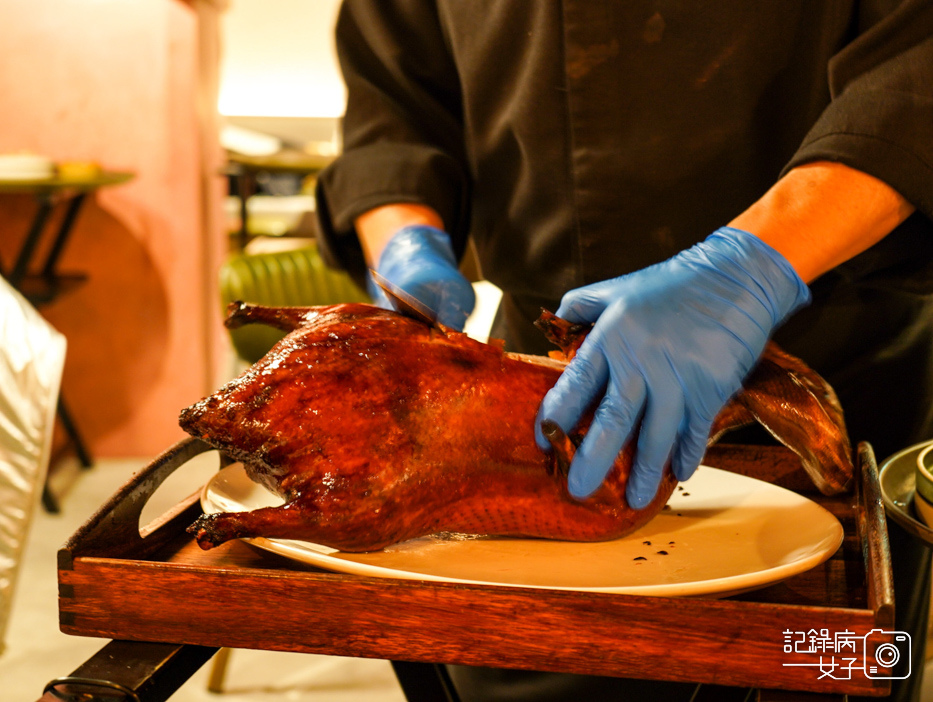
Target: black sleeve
{"type": "Point", "coordinates": [402, 131]}
{"type": "Point", "coordinates": [880, 119]}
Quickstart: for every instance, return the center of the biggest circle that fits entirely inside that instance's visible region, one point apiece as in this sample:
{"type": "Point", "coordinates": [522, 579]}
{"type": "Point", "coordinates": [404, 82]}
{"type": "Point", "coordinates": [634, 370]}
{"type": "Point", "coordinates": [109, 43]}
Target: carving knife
{"type": "Point", "coordinates": [403, 302]}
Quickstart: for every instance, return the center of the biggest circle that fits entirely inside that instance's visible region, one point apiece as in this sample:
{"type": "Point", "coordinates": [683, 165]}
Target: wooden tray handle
{"type": "Point", "coordinates": [114, 530]}
{"type": "Point", "coordinates": [873, 535]}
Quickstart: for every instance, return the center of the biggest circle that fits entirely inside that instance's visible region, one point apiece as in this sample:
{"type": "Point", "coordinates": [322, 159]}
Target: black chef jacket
{"type": "Point", "coordinates": [574, 141]}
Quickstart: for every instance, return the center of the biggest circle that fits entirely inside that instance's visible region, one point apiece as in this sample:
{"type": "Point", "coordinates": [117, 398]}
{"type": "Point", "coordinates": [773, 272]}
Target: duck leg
{"type": "Point", "coordinates": [211, 530]}
{"type": "Point", "coordinates": [284, 318]}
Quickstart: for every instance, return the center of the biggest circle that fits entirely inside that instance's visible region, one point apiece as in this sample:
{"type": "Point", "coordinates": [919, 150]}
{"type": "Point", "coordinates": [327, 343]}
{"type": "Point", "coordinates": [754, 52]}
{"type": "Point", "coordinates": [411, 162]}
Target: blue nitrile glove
{"type": "Point", "coordinates": [671, 344]}
{"type": "Point", "coordinates": [420, 260]}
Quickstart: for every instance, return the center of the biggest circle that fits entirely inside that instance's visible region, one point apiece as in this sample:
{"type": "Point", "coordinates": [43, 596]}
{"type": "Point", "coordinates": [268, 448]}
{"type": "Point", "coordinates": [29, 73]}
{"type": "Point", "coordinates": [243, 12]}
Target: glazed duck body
{"type": "Point", "coordinates": [376, 428]}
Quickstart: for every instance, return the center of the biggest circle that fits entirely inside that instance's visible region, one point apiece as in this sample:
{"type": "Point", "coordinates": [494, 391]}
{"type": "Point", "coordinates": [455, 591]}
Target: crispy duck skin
{"type": "Point", "coordinates": [376, 428]}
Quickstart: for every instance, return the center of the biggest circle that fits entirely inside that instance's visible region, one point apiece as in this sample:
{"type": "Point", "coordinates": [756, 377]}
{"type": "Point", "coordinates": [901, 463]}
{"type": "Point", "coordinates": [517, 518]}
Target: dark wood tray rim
{"type": "Point", "coordinates": [116, 582]}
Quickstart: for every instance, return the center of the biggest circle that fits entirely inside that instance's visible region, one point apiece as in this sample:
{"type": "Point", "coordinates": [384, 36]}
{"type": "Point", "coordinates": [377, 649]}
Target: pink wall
{"type": "Point", "coordinates": [117, 82]}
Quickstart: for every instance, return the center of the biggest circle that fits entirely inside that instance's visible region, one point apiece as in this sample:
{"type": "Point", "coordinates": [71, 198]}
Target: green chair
{"type": "Point", "coordinates": [294, 277]}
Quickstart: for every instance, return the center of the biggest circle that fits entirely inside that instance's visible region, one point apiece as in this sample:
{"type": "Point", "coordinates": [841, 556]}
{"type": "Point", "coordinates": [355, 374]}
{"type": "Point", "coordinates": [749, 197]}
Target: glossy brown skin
{"type": "Point", "coordinates": [376, 428]}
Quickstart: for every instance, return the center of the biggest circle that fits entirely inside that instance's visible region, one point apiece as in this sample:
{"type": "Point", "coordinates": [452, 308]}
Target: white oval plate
{"type": "Point", "coordinates": [721, 534]}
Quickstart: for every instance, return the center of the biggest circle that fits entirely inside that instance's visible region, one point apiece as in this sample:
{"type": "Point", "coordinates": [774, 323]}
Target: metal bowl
{"type": "Point", "coordinates": [898, 477]}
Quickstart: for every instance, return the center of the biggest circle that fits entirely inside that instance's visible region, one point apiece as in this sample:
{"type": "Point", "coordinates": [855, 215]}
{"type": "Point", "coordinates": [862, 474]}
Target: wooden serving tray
{"type": "Point", "coordinates": [118, 581]}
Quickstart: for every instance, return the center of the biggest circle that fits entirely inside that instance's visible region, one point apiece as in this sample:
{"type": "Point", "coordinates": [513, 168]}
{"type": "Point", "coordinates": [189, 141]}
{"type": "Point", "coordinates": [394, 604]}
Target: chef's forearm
{"type": "Point", "coordinates": [375, 227]}
{"type": "Point", "coordinates": [822, 214]}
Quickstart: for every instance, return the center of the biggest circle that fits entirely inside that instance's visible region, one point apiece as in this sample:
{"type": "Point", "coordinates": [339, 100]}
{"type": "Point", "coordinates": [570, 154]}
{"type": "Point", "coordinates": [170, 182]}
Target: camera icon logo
{"type": "Point", "coordinates": [882, 650]}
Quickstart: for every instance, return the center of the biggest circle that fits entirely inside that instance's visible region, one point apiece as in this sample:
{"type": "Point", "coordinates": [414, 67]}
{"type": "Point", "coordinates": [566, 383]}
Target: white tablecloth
{"type": "Point", "coordinates": [32, 356]}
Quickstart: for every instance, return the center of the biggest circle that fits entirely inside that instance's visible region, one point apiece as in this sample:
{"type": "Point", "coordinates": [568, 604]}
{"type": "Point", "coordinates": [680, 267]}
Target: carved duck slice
{"type": "Point", "coordinates": [376, 428]}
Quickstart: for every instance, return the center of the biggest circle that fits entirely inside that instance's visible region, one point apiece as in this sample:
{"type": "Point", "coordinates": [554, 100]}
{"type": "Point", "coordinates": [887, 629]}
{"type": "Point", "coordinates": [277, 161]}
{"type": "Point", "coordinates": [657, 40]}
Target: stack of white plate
{"type": "Point", "coordinates": [25, 167]}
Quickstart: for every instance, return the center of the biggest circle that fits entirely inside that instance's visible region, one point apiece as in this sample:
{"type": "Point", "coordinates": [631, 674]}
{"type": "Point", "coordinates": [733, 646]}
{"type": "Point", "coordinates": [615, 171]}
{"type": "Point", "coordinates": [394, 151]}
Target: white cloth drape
{"type": "Point", "coordinates": [32, 357]}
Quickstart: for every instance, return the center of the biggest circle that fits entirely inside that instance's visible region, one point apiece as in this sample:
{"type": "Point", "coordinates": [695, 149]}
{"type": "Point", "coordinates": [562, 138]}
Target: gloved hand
{"type": "Point", "coordinates": [671, 344]}
{"type": "Point", "coordinates": [420, 260]}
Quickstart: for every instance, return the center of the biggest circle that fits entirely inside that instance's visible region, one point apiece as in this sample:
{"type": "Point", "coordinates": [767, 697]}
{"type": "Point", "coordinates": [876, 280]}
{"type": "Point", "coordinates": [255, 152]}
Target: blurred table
{"type": "Point", "coordinates": [36, 276]}
{"type": "Point", "coordinates": [245, 169]}
{"type": "Point", "coordinates": [40, 281]}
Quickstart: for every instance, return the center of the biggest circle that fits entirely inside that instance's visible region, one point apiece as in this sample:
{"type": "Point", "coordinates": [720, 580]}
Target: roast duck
{"type": "Point", "coordinates": [376, 428]}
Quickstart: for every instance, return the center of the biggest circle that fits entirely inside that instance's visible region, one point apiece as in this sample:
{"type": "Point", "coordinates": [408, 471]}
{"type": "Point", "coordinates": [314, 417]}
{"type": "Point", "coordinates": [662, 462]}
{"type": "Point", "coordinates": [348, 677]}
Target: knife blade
{"type": "Point", "coordinates": [403, 302]}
